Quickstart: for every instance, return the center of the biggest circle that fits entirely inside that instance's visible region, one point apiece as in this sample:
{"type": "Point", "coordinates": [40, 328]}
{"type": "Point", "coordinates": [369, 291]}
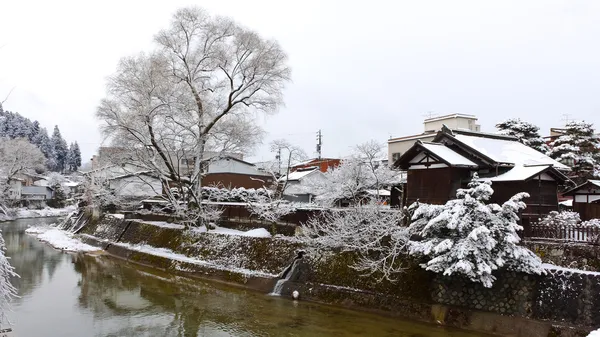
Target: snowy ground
{"type": "Point", "coordinates": [59, 239]}
{"type": "Point", "coordinates": [21, 213]}
{"type": "Point", "coordinates": [256, 233]}
{"type": "Point", "coordinates": [595, 333]}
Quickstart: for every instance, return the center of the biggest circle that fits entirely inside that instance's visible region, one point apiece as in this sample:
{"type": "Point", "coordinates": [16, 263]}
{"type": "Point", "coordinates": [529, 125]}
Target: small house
{"type": "Point", "coordinates": [437, 169]}
{"type": "Point", "coordinates": [586, 199]}
{"type": "Point", "coordinates": [232, 172]}
{"type": "Point", "coordinates": [295, 190]}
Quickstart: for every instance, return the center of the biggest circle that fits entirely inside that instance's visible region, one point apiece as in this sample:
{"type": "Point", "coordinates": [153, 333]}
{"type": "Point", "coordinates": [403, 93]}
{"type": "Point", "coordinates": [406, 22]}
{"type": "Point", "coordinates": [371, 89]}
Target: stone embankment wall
{"type": "Point", "coordinates": [567, 254]}
{"type": "Point", "coordinates": [561, 303]}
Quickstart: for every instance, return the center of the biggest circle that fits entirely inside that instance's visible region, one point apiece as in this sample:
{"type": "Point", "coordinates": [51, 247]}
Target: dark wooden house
{"type": "Point", "coordinates": [437, 169]}
{"type": "Point", "coordinates": [586, 199]}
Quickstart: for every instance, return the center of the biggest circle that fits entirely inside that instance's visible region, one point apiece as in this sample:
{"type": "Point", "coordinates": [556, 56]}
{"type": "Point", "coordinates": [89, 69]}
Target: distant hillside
{"type": "Point", "coordinates": [60, 157]}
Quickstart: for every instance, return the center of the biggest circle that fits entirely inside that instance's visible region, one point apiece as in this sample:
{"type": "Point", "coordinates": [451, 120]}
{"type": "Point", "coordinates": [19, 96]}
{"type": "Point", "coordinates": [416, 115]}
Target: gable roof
{"type": "Point", "coordinates": [588, 184]}
{"type": "Point", "coordinates": [300, 174]}
{"type": "Point", "coordinates": [496, 149]}
{"type": "Point", "coordinates": [438, 151]}
{"type": "Point", "coordinates": [525, 173]}
{"type": "Point", "coordinates": [447, 155]}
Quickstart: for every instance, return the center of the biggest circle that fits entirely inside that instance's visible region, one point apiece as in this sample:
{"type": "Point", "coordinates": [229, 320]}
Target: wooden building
{"type": "Point", "coordinates": [586, 199]}
{"type": "Point", "coordinates": [322, 163]}
{"type": "Point", "coordinates": [436, 170]}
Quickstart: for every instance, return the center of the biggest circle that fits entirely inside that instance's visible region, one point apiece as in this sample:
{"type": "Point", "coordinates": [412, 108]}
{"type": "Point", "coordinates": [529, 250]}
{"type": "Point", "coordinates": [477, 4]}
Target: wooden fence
{"type": "Point", "coordinates": [571, 233]}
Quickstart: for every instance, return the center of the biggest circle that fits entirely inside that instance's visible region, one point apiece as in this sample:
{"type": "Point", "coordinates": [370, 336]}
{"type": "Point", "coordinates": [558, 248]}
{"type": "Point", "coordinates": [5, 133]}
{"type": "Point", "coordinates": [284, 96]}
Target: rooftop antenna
{"type": "Point", "coordinates": [429, 114]}
{"type": "Point", "coordinates": [319, 143]}
{"type": "Point", "coordinates": [567, 118]}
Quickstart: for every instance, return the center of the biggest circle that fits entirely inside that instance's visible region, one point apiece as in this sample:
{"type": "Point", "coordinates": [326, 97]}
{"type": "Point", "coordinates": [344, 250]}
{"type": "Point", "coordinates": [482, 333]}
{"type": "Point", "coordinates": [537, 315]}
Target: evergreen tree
{"type": "Point", "coordinates": [74, 157]}
{"type": "Point", "coordinates": [468, 237]}
{"type": "Point", "coordinates": [578, 148]}
{"type": "Point", "coordinates": [60, 151]}
{"type": "Point", "coordinates": [527, 133]}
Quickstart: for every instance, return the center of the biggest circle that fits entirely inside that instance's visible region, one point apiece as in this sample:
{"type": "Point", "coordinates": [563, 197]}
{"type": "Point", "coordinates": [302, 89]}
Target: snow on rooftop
{"type": "Point", "coordinates": [517, 173]}
{"type": "Point", "coordinates": [595, 182]}
{"type": "Point", "coordinates": [448, 155]}
{"type": "Point", "coordinates": [507, 151]}
{"type": "Point", "coordinates": [567, 203]}
{"type": "Point", "coordinates": [298, 175]}
{"type": "Point", "coordinates": [382, 193]}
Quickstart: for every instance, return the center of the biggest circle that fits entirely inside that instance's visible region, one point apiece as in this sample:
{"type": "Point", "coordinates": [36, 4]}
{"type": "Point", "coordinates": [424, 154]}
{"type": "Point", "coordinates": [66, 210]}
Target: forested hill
{"type": "Point", "coordinates": [60, 157]}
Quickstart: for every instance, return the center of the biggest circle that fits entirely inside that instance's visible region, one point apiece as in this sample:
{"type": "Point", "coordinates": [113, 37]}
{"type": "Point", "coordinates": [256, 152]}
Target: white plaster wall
{"type": "Point", "coordinates": [232, 166]}
{"type": "Point", "coordinates": [136, 186]}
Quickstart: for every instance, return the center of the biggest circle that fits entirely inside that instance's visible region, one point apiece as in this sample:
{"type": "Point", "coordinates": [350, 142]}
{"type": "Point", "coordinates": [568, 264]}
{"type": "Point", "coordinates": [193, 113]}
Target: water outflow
{"type": "Point", "coordinates": [287, 274]}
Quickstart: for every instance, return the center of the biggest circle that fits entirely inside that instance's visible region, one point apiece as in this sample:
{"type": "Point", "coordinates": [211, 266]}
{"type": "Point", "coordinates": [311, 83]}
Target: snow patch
{"type": "Point", "coordinates": [23, 213]}
{"type": "Point", "coordinates": [162, 224]}
{"type": "Point", "coordinates": [549, 266]}
{"type": "Point", "coordinates": [60, 239]}
{"type": "Point", "coordinates": [169, 254]}
{"type": "Point", "coordinates": [256, 233]}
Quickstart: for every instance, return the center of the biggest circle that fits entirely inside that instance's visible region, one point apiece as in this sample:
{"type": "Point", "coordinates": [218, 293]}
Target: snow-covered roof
{"type": "Point", "coordinates": [508, 151]}
{"type": "Point", "coordinates": [595, 183]}
{"type": "Point", "coordinates": [298, 175]}
{"type": "Point", "coordinates": [70, 184]}
{"type": "Point", "coordinates": [518, 173]}
{"type": "Point", "coordinates": [567, 203]}
{"type": "Point", "coordinates": [382, 193]}
{"type": "Point", "coordinates": [446, 154]}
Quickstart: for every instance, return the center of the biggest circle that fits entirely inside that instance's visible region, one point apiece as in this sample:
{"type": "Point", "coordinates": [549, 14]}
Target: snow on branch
{"type": "Point", "coordinates": [372, 232]}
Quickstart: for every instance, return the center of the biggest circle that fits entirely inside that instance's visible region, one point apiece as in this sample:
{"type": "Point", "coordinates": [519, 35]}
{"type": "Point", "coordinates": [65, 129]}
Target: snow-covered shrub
{"type": "Point", "coordinates": [271, 210]}
{"type": "Point", "coordinates": [369, 230]}
{"type": "Point", "coordinates": [595, 223]}
{"type": "Point", "coordinates": [564, 218]}
{"type": "Point", "coordinates": [238, 194]}
{"type": "Point", "coordinates": [468, 237]}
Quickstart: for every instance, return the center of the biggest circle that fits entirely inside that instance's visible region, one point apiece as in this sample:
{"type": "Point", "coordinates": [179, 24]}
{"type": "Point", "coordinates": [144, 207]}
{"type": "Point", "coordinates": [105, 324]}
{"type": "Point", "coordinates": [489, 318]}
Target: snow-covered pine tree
{"type": "Point", "coordinates": [60, 149]}
{"type": "Point", "coordinates": [468, 237]}
{"type": "Point", "coordinates": [578, 147]}
{"type": "Point", "coordinates": [42, 141]}
{"type": "Point", "coordinates": [74, 157]}
{"type": "Point", "coordinates": [526, 132]}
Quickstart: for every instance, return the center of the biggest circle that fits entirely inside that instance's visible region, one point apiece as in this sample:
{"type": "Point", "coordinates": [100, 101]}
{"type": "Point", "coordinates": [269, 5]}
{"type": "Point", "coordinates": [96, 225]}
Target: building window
{"type": "Point", "coordinates": [396, 156]}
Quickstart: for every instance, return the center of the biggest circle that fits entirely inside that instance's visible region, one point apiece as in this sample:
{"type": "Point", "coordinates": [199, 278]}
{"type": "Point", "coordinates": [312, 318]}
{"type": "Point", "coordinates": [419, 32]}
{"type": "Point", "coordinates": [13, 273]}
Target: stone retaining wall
{"type": "Point", "coordinates": [544, 303]}
{"type": "Point", "coordinates": [567, 254]}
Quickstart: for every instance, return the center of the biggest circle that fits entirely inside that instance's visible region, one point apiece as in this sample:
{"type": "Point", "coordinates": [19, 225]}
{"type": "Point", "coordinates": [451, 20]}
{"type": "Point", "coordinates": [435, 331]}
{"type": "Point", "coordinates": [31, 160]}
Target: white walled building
{"type": "Point", "coordinates": [398, 146]}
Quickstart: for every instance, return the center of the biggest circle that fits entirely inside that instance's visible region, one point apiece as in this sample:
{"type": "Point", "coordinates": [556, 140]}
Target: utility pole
{"type": "Point", "coordinates": [319, 143]}
{"type": "Point", "coordinates": [278, 157]}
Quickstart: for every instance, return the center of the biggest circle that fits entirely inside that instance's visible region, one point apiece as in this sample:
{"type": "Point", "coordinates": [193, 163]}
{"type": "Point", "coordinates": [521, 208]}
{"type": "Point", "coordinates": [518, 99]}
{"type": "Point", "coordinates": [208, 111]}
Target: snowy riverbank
{"type": "Point", "coordinates": [24, 213]}
{"type": "Point", "coordinates": [59, 239]}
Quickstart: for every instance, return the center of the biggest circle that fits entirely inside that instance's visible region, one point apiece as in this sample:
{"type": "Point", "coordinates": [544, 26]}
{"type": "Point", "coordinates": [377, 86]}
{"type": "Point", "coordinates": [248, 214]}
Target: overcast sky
{"type": "Point", "coordinates": [361, 69]}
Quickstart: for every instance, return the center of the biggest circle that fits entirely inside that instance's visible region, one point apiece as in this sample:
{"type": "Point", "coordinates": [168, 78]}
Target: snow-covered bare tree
{"type": "Point", "coordinates": [525, 132]}
{"type": "Point", "coordinates": [193, 97]}
{"type": "Point", "coordinates": [468, 237]}
{"type": "Point", "coordinates": [357, 178]}
{"type": "Point", "coordinates": [578, 148]}
{"type": "Point", "coordinates": [8, 292]}
{"type": "Point", "coordinates": [375, 234]}
{"type": "Point", "coordinates": [271, 206]}
{"type": "Point", "coordinates": [16, 156]}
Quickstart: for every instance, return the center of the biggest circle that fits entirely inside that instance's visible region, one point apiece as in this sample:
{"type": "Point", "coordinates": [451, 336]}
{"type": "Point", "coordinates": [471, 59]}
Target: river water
{"type": "Point", "coordinates": [76, 295]}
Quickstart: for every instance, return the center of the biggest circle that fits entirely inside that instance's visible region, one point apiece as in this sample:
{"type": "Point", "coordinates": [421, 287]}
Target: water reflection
{"type": "Point", "coordinates": [83, 295]}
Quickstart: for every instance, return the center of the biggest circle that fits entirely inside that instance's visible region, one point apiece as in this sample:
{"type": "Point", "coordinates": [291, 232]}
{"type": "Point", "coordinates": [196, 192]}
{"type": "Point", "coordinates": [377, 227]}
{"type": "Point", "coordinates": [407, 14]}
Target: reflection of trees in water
{"type": "Point", "coordinates": [194, 306]}
{"type": "Point", "coordinates": [29, 258]}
